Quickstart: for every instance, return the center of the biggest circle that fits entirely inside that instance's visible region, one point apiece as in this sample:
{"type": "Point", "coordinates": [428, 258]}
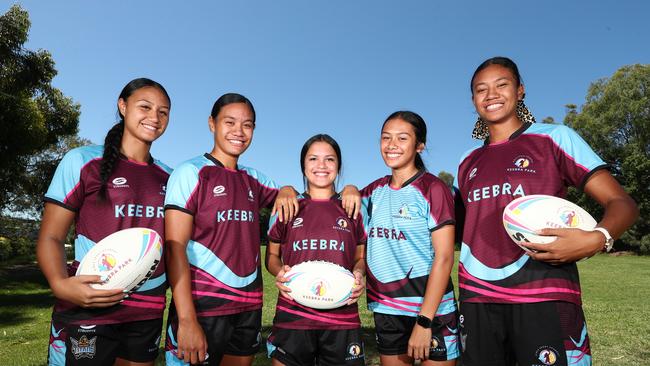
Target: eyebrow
{"type": "Point", "coordinates": [144, 100]}
{"type": "Point", "coordinates": [499, 79]}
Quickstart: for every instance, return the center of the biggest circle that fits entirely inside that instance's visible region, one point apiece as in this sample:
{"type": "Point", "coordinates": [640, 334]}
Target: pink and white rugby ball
{"type": "Point", "coordinates": [126, 258]}
{"type": "Point", "coordinates": [523, 216]}
{"type": "Point", "coordinates": [320, 284]}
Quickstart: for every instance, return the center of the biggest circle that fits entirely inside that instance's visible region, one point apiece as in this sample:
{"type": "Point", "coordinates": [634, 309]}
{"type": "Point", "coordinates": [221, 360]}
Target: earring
{"type": "Point", "coordinates": [523, 113]}
{"type": "Point", "coordinates": [481, 131]}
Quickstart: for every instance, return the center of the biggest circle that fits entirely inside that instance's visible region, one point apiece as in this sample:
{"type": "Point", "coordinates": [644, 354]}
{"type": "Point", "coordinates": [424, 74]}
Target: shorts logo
{"type": "Point", "coordinates": [342, 224]}
{"type": "Point", "coordinates": [86, 329]}
{"type": "Point", "coordinates": [219, 191]}
{"type": "Point", "coordinates": [84, 347]}
{"type": "Point", "coordinates": [522, 163]}
{"type": "Point", "coordinates": [546, 355]}
{"type": "Point", "coordinates": [434, 342]}
{"type": "Point", "coordinates": [355, 351]}
{"type": "Point", "coordinates": [472, 174]}
{"type": "Point", "coordinates": [106, 263]}
{"type": "Point", "coordinates": [297, 222]}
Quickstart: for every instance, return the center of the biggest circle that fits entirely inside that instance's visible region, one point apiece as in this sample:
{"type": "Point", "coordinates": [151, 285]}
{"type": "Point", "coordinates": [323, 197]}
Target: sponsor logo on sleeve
{"type": "Point", "coordinates": [472, 174]}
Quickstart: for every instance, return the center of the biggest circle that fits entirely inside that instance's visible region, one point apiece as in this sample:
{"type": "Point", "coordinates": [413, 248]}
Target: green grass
{"type": "Point", "coordinates": [615, 295]}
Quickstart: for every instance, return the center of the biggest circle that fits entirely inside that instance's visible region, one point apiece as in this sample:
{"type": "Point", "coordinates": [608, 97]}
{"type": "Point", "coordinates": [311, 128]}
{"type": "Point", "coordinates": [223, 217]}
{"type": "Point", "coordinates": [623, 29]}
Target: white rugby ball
{"type": "Point", "coordinates": [320, 284]}
{"type": "Point", "coordinates": [126, 258]}
{"type": "Point", "coordinates": [527, 214]}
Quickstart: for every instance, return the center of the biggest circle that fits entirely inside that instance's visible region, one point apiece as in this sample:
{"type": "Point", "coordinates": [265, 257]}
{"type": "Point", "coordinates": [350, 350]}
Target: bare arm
{"type": "Point", "coordinates": [574, 244]}
{"type": "Point", "coordinates": [286, 204]}
{"type": "Point", "coordinates": [192, 345]}
{"type": "Point", "coordinates": [443, 245]}
{"type": "Point", "coordinates": [276, 268]}
{"type": "Point", "coordinates": [359, 272]}
{"type": "Point", "coordinates": [50, 254]}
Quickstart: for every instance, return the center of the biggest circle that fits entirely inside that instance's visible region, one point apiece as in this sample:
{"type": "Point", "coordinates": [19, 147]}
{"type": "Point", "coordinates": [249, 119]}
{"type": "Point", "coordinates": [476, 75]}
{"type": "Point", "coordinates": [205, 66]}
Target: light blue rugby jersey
{"type": "Point", "coordinates": [399, 223]}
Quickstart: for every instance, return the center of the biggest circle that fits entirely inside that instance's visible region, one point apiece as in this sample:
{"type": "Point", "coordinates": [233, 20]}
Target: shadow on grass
{"type": "Point", "coordinates": [22, 287]}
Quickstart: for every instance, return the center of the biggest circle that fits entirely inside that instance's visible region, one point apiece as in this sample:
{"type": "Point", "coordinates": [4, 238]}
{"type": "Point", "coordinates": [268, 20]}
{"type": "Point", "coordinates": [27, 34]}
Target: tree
{"type": "Point", "coordinates": [615, 121]}
{"type": "Point", "coordinates": [35, 118]}
{"type": "Point", "coordinates": [446, 177]}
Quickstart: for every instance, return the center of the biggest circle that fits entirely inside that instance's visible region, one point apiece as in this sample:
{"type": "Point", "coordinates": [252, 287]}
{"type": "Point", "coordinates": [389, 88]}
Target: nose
{"type": "Point", "coordinates": [492, 93]}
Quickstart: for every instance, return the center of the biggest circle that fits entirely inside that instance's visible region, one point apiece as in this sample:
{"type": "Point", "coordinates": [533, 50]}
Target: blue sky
{"type": "Point", "coordinates": [337, 67]}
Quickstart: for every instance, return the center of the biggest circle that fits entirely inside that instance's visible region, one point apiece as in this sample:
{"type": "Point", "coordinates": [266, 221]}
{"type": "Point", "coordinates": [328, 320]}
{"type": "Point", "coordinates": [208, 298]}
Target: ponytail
{"type": "Point", "coordinates": [112, 144]}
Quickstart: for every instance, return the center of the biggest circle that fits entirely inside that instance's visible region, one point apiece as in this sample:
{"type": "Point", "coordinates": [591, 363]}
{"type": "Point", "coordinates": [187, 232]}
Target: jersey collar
{"type": "Point", "coordinates": [514, 135]}
{"type": "Point", "coordinates": [214, 160]}
{"type": "Point", "coordinates": [149, 162]}
{"type": "Point", "coordinates": [410, 180]}
{"type": "Point", "coordinates": [335, 196]}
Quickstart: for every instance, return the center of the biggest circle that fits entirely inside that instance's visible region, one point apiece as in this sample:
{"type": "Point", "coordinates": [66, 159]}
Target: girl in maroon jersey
{"type": "Point", "coordinates": [514, 309]}
{"type": "Point", "coordinates": [302, 335]}
{"type": "Point", "coordinates": [90, 326]}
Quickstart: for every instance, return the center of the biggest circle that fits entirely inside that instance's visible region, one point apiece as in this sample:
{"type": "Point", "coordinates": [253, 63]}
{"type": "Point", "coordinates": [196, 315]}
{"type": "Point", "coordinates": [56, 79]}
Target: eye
{"type": "Point", "coordinates": [480, 90]}
{"type": "Point", "coordinates": [249, 125]}
{"type": "Point", "coordinates": [501, 85]}
{"type": "Point", "coordinates": [145, 107]}
{"type": "Point", "coordinates": [385, 138]}
{"type": "Point", "coordinates": [164, 113]}
{"type": "Point", "coordinates": [331, 159]}
{"type": "Point", "coordinates": [229, 122]}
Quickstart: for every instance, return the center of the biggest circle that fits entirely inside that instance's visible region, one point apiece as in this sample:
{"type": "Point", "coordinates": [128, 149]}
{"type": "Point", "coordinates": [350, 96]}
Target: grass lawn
{"type": "Point", "coordinates": [615, 294]}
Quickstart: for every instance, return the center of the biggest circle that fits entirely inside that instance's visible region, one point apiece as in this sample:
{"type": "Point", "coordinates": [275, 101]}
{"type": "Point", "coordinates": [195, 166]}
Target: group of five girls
{"type": "Point", "coordinates": [397, 234]}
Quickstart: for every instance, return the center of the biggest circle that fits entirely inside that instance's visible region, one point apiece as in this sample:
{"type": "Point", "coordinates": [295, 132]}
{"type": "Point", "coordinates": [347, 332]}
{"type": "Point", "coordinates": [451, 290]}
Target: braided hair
{"type": "Point", "coordinates": [113, 140]}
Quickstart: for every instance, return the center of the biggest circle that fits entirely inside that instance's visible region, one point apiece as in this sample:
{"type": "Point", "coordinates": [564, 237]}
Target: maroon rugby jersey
{"type": "Point", "coordinates": [224, 249]}
{"type": "Point", "coordinates": [321, 231]}
{"type": "Point", "coordinates": [537, 159]}
{"type": "Point", "coordinates": [135, 194]}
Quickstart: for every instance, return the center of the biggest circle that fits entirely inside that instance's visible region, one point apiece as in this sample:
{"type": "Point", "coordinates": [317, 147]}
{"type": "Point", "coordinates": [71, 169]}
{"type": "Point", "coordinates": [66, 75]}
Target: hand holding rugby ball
{"type": "Point", "coordinates": [320, 284]}
{"type": "Point", "coordinates": [126, 259]}
{"type": "Point", "coordinates": [528, 214]}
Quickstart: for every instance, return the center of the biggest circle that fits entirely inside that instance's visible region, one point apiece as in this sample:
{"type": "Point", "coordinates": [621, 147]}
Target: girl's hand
{"type": "Point", "coordinates": [419, 343]}
{"type": "Point", "coordinates": [571, 245]}
{"type": "Point", "coordinates": [192, 345]}
{"type": "Point", "coordinates": [77, 290]}
{"type": "Point", "coordinates": [351, 200]}
{"type": "Point", "coordinates": [280, 280]}
{"type": "Point", "coordinates": [359, 286]}
{"type": "Point", "coordinates": [286, 204]}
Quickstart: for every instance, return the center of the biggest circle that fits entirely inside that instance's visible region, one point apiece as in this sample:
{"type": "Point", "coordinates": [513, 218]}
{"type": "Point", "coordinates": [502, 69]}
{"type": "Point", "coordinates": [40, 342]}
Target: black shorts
{"type": "Point", "coordinates": [544, 333]}
{"type": "Point", "coordinates": [235, 334]}
{"type": "Point", "coordinates": [90, 344]}
{"type": "Point", "coordinates": [298, 347]}
{"type": "Point", "coordinates": [394, 331]}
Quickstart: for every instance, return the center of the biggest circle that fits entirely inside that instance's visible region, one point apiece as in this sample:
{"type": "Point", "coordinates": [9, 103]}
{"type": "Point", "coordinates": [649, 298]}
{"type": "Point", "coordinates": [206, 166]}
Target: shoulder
{"type": "Point", "coordinates": [429, 183]}
{"type": "Point", "coordinates": [81, 156]}
{"type": "Point", "coordinates": [557, 133]}
{"type": "Point", "coordinates": [162, 166]}
{"type": "Point", "coordinates": [467, 154]}
{"type": "Point", "coordinates": [255, 174]}
{"type": "Point", "coordinates": [378, 183]}
{"type": "Point", "coordinates": [190, 167]}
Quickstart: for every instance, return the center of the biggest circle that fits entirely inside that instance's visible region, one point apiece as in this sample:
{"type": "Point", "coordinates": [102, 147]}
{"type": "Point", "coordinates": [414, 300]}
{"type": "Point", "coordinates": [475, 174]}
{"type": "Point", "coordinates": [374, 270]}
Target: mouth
{"type": "Point", "coordinates": [393, 155]}
{"type": "Point", "coordinates": [236, 142]}
{"type": "Point", "coordinates": [149, 127]}
{"type": "Point", "coordinates": [321, 174]}
{"type": "Point", "coordinates": [494, 107]}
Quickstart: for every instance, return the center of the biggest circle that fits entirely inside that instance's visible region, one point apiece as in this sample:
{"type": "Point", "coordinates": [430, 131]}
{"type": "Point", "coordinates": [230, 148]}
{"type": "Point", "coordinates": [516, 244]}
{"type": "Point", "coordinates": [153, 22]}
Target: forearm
{"type": "Point", "coordinates": [180, 280]}
{"type": "Point", "coordinates": [436, 285]}
{"type": "Point", "coordinates": [274, 264]}
{"type": "Point", "coordinates": [50, 255]}
{"type": "Point", "coordinates": [620, 214]}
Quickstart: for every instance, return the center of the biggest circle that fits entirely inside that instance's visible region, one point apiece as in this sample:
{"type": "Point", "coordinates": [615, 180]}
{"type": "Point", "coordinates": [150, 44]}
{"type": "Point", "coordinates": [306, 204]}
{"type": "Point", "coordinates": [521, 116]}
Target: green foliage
{"type": "Point", "coordinates": [615, 121]}
{"type": "Point", "coordinates": [34, 116]}
{"type": "Point", "coordinates": [446, 177]}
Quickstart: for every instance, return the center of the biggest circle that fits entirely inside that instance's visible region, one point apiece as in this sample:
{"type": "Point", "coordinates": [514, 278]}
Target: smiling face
{"type": "Point", "coordinates": [233, 132]}
{"type": "Point", "coordinates": [321, 166]}
{"type": "Point", "coordinates": [399, 145]}
{"type": "Point", "coordinates": [495, 93]}
{"type": "Point", "coordinates": [145, 113]}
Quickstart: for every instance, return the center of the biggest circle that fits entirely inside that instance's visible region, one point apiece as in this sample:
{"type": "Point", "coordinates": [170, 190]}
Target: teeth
{"type": "Point", "coordinates": [392, 155]}
{"type": "Point", "coordinates": [492, 107]}
{"type": "Point", "coordinates": [148, 127]}
{"type": "Point", "coordinates": [236, 142]}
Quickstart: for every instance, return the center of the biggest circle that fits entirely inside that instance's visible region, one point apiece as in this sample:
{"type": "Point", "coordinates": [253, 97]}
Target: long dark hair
{"type": "Point", "coordinates": [113, 139]}
{"type": "Point", "coordinates": [419, 127]}
{"type": "Point", "coordinates": [321, 137]}
{"type": "Point", "coordinates": [230, 98]}
{"type": "Point", "coordinates": [501, 61]}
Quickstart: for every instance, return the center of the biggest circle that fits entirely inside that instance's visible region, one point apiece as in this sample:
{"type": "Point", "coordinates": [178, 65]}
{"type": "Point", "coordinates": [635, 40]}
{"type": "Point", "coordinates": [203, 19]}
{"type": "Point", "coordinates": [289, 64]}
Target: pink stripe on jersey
{"type": "Point", "coordinates": [226, 296]}
{"type": "Point", "coordinates": [143, 305]}
{"type": "Point", "coordinates": [71, 192]}
{"type": "Point", "coordinates": [149, 298]}
{"type": "Point", "coordinates": [315, 317]}
{"type": "Point", "coordinates": [374, 298]}
{"type": "Point", "coordinates": [561, 149]}
{"type": "Point", "coordinates": [216, 283]}
{"type": "Point", "coordinates": [313, 311]}
{"type": "Point", "coordinates": [498, 295]}
{"type": "Point", "coordinates": [529, 291]}
{"type": "Point", "coordinates": [238, 292]}
{"type": "Point", "coordinates": [397, 301]}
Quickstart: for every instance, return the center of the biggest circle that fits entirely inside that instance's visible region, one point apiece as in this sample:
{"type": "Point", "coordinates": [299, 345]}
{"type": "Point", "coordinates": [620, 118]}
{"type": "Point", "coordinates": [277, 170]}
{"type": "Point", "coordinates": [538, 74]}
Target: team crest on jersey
{"type": "Point", "coordinates": [250, 196]}
{"type": "Point", "coordinates": [355, 351]}
{"type": "Point", "coordinates": [472, 174]}
{"type": "Point", "coordinates": [403, 213]}
{"type": "Point", "coordinates": [163, 189]}
{"type": "Point", "coordinates": [546, 355]}
{"type": "Point", "coordinates": [342, 224]}
{"type": "Point", "coordinates": [218, 191]}
{"type": "Point", "coordinates": [84, 347]}
{"type": "Point", "coordinates": [297, 222]}
{"type": "Point", "coordinates": [120, 182]}
{"type": "Point", "coordinates": [522, 163]}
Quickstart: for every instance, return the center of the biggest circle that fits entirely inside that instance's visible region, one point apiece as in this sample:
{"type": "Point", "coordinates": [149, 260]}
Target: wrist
{"type": "Point", "coordinates": [608, 242]}
{"type": "Point", "coordinates": [424, 321]}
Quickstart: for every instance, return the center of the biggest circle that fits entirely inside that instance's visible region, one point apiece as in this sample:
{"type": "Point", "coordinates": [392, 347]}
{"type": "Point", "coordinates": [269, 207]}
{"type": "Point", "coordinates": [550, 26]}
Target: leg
{"type": "Point", "coordinates": [340, 347]}
{"type": "Point", "coordinates": [139, 342]}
